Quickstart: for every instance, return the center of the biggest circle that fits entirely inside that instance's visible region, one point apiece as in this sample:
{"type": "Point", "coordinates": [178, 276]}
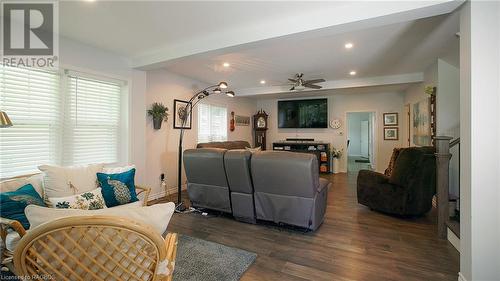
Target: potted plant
{"type": "Point", "coordinates": [159, 112]}
{"type": "Point", "coordinates": [336, 154]}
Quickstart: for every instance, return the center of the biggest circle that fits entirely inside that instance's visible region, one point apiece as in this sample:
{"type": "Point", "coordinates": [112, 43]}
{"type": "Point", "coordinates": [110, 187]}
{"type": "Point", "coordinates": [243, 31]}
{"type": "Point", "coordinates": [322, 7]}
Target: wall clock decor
{"type": "Point", "coordinates": [335, 124]}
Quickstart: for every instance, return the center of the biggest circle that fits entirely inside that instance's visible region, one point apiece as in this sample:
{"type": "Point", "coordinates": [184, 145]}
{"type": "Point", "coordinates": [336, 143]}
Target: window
{"type": "Point", "coordinates": [92, 122]}
{"type": "Point", "coordinates": [31, 99]}
{"type": "Point", "coordinates": [58, 119]}
{"type": "Point", "coordinates": [212, 123]}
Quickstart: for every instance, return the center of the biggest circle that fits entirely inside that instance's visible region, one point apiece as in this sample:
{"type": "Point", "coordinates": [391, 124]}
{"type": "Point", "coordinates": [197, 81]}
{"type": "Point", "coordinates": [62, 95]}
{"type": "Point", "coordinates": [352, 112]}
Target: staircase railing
{"type": "Point", "coordinates": [443, 156]}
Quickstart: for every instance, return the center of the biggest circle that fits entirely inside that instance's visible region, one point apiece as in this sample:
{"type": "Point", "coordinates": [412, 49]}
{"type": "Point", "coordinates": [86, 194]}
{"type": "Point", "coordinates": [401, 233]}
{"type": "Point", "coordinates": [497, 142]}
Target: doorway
{"type": "Point", "coordinates": [360, 141]}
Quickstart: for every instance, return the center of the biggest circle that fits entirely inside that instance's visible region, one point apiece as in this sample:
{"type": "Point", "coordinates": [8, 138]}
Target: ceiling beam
{"type": "Point", "coordinates": [344, 18]}
{"type": "Point", "coordinates": [338, 84]}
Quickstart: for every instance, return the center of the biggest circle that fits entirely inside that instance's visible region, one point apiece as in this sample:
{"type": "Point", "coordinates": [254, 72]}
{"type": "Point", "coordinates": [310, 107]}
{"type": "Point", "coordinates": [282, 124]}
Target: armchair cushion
{"type": "Point", "coordinates": [90, 200]}
{"type": "Point", "coordinates": [65, 181]}
{"type": "Point", "coordinates": [158, 215]}
{"type": "Point", "coordinates": [13, 203]}
{"type": "Point", "coordinates": [118, 189]}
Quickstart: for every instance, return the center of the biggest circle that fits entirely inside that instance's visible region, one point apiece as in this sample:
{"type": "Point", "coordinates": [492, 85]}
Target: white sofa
{"type": "Point", "coordinates": [12, 231]}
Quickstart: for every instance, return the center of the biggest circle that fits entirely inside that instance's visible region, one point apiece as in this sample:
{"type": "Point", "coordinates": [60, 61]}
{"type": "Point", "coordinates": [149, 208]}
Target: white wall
{"type": "Point", "coordinates": [416, 93]}
{"type": "Point", "coordinates": [162, 145]}
{"type": "Point", "coordinates": [480, 141]}
{"type": "Point", "coordinates": [88, 59]}
{"type": "Point", "coordinates": [354, 131]}
{"type": "Point", "coordinates": [338, 106]}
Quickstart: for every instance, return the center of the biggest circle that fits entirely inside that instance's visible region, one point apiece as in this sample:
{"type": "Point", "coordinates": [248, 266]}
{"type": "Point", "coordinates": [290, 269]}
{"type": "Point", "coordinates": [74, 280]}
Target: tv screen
{"type": "Point", "coordinates": [312, 113]}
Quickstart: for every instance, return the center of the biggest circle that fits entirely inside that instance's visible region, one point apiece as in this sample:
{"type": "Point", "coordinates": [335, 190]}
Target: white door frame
{"type": "Point", "coordinates": [375, 135]}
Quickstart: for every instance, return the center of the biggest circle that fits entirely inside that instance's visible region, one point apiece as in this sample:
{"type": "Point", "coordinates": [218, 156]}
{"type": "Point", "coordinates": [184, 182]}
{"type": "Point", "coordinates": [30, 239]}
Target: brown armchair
{"type": "Point", "coordinates": [408, 190]}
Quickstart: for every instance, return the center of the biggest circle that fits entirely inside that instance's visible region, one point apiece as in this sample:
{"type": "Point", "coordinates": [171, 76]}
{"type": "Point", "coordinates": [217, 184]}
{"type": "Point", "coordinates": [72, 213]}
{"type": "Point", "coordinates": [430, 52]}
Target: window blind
{"type": "Point", "coordinates": [32, 100]}
{"type": "Point", "coordinates": [212, 123]}
{"type": "Point", "coordinates": [92, 121]}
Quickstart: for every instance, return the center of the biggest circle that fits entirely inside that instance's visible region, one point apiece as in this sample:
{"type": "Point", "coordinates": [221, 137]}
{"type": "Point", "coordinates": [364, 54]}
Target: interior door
{"type": "Point", "coordinates": [365, 139]}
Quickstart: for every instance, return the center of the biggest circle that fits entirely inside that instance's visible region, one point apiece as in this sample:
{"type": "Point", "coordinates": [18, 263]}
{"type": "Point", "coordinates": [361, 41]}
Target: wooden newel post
{"type": "Point", "coordinates": [442, 182]}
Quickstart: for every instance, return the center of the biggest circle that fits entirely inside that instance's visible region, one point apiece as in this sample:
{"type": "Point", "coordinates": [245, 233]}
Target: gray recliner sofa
{"type": "Point", "coordinates": [207, 183]}
{"type": "Point", "coordinates": [240, 182]}
{"type": "Point", "coordinates": [288, 188]}
{"type": "Point", "coordinates": [282, 187]}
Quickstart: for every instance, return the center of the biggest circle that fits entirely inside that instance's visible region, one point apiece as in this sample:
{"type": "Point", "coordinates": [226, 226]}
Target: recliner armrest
{"type": "Point", "coordinates": [323, 183]}
{"type": "Point", "coordinates": [367, 176]}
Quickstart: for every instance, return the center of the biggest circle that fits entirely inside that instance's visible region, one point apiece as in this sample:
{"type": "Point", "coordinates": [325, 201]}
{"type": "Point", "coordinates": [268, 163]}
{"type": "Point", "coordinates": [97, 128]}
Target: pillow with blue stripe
{"type": "Point", "coordinates": [118, 189]}
{"type": "Point", "coordinates": [12, 203]}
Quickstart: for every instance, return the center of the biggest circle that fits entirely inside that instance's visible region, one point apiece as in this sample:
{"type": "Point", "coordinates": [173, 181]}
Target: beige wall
{"type": "Point", "coordinates": [162, 145]}
{"type": "Point", "coordinates": [338, 106]}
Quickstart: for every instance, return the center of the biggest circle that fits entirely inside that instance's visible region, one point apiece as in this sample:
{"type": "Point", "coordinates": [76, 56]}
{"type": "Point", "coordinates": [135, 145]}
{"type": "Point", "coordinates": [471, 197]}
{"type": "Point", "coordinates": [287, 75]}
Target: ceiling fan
{"type": "Point", "coordinates": [300, 84]}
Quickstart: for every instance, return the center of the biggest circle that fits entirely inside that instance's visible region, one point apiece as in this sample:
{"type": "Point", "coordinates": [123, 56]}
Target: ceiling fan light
{"type": "Point", "coordinates": [217, 91]}
{"type": "Point", "coordinates": [230, 94]}
{"type": "Point", "coordinates": [223, 85]}
{"type": "Point", "coordinates": [299, 87]}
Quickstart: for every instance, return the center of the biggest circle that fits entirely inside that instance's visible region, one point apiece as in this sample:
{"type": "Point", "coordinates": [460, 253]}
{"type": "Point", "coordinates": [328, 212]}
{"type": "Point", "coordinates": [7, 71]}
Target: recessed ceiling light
{"type": "Point", "coordinates": [348, 45]}
{"type": "Point", "coordinates": [262, 82]}
{"type": "Point", "coordinates": [352, 73]}
{"type": "Point", "coordinates": [226, 64]}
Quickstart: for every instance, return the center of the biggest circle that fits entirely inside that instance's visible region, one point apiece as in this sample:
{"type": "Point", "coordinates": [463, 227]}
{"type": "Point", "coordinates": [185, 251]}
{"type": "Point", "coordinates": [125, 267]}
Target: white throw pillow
{"type": "Point", "coordinates": [117, 170]}
{"type": "Point", "coordinates": [65, 181]}
{"type": "Point", "coordinates": [253, 150]}
{"type": "Point", "coordinates": [90, 200]}
{"type": "Point", "coordinates": [158, 215]}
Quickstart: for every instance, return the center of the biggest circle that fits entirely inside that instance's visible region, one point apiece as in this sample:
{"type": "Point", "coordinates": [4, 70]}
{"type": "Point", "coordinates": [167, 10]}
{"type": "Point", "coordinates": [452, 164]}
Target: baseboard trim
{"type": "Point", "coordinates": [454, 240]}
{"type": "Point", "coordinates": [160, 194]}
{"type": "Point", "coordinates": [461, 277]}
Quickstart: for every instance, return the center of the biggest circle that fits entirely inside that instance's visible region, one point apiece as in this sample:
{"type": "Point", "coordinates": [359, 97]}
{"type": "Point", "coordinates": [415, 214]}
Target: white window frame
{"type": "Point", "coordinates": [211, 137]}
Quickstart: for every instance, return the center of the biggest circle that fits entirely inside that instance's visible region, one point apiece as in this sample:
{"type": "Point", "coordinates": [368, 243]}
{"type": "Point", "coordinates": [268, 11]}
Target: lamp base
{"type": "Point", "coordinates": [180, 208]}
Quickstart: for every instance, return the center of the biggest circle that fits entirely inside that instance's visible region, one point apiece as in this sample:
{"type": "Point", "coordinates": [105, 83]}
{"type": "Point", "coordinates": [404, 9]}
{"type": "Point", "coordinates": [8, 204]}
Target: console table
{"type": "Point", "coordinates": [320, 149]}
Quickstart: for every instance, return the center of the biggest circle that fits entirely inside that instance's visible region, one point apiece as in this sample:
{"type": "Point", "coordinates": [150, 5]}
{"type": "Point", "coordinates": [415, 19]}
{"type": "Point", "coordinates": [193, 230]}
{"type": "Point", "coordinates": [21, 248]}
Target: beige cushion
{"type": "Point", "coordinates": [117, 170]}
{"type": "Point", "coordinates": [11, 240]}
{"type": "Point", "coordinates": [158, 216]}
{"type": "Point", "coordinates": [90, 200]}
{"type": "Point", "coordinates": [16, 183]}
{"type": "Point", "coordinates": [65, 181]}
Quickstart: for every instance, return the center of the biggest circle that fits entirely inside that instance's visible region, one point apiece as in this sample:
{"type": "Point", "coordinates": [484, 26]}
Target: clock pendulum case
{"type": "Point", "coordinates": [260, 128]}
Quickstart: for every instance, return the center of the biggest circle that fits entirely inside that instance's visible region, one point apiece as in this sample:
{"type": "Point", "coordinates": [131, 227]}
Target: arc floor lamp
{"type": "Point", "coordinates": [186, 113]}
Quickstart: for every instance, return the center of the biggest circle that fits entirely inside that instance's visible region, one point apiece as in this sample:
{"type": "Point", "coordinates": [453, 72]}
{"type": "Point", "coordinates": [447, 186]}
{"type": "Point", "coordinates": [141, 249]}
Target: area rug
{"type": "Point", "coordinates": [200, 260]}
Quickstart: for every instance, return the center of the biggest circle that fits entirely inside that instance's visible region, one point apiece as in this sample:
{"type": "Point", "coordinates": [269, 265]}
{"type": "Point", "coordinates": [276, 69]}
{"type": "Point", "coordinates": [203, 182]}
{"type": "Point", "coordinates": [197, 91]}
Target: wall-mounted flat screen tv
{"type": "Point", "coordinates": [311, 113]}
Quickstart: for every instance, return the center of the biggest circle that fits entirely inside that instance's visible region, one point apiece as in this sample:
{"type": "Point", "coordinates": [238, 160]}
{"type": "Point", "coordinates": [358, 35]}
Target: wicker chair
{"type": "Point", "coordinates": [101, 248]}
{"type": "Point", "coordinates": [6, 224]}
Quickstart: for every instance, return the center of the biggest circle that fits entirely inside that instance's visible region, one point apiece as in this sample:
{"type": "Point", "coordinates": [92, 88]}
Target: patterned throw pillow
{"type": "Point", "coordinates": [118, 189]}
{"type": "Point", "coordinates": [90, 200]}
{"type": "Point", "coordinates": [12, 203]}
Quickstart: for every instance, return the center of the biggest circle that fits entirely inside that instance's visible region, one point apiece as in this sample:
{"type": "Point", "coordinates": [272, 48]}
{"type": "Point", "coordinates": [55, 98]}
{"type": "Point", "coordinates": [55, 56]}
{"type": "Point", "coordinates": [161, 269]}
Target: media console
{"type": "Point", "coordinates": [320, 149]}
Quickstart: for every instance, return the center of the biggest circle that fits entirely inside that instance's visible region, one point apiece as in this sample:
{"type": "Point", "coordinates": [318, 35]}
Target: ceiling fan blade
{"type": "Point", "coordinates": [312, 86]}
{"type": "Point", "coordinates": [292, 80]}
{"type": "Point", "coordinates": [314, 81]}
{"type": "Point", "coordinates": [292, 88]}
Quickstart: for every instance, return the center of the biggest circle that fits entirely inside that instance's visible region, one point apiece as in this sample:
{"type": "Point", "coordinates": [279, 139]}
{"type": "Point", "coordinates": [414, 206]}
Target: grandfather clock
{"type": "Point", "coordinates": [260, 127]}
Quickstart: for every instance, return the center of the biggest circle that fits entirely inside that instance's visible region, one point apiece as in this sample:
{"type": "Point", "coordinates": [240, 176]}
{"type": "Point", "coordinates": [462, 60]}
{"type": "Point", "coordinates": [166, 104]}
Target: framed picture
{"type": "Point", "coordinates": [242, 120]}
{"type": "Point", "coordinates": [422, 123]}
{"type": "Point", "coordinates": [391, 119]}
{"type": "Point", "coordinates": [391, 133]}
{"type": "Point", "coordinates": [180, 114]}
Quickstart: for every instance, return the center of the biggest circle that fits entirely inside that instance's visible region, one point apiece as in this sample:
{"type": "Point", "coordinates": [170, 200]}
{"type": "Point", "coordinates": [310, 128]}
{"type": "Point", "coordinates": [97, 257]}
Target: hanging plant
{"type": "Point", "coordinates": [159, 113]}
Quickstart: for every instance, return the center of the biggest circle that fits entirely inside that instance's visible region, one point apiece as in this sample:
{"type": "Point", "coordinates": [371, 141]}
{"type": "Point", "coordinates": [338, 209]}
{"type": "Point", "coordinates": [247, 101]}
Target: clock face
{"type": "Point", "coordinates": [335, 124]}
{"type": "Point", "coordinates": [261, 122]}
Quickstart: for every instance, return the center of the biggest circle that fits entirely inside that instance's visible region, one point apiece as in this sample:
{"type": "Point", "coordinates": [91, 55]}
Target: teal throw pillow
{"type": "Point", "coordinates": [118, 189]}
{"type": "Point", "coordinates": [12, 203]}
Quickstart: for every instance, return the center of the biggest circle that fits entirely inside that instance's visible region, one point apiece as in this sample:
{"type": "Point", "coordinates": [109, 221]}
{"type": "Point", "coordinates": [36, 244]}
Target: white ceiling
{"type": "Point", "coordinates": [135, 28]}
{"type": "Point", "coordinates": [408, 47]}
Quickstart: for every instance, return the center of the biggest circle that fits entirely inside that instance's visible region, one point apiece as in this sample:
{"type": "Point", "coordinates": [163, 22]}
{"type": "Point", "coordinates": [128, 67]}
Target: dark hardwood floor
{"type": "Point", "coordinates": [353, 243]}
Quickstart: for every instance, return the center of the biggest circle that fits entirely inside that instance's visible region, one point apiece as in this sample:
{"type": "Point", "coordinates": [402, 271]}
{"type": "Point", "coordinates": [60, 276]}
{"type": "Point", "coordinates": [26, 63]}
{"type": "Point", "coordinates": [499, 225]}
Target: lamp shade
{"type": "Point", "coordinates": [217, 91]}
{"type": "Point", "coordinates": [230, 94]}
{"type": "Point", "coordinates": [4, 120]}
{"type": "Point", "coordinates": [223, 85]}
